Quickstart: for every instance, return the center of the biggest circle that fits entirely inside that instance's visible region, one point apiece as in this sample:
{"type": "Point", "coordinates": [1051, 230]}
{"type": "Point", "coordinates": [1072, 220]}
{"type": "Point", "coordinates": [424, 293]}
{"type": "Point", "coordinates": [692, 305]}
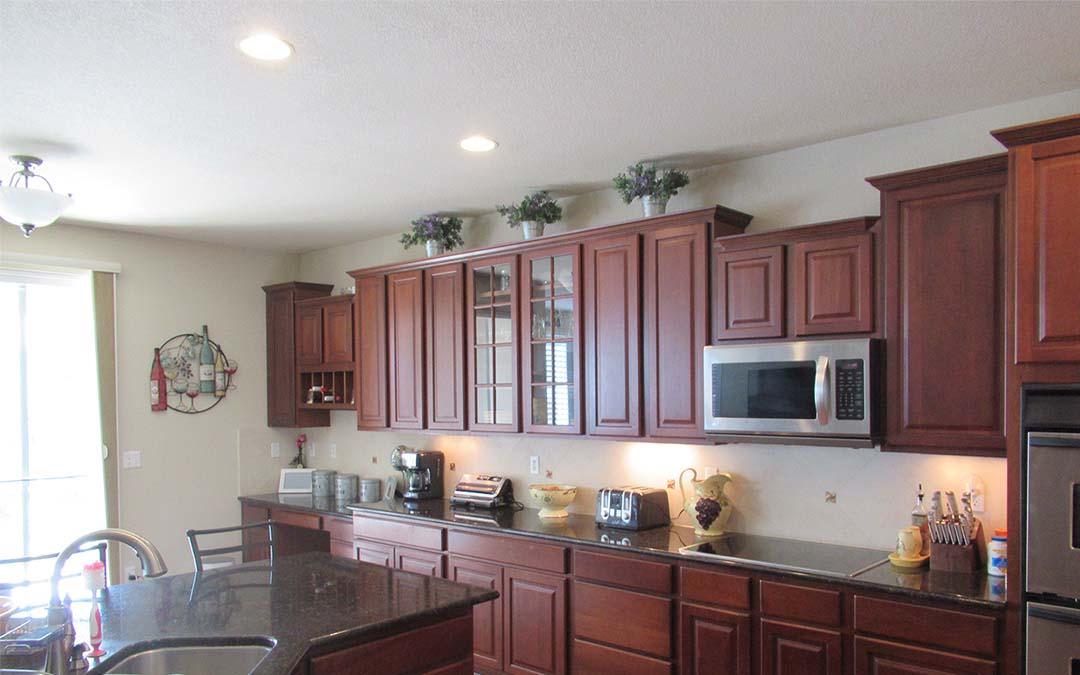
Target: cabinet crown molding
{"type": "Point", "coordinates": [1047, 130]}
{"type": "Point", "coordinates": [788, 235]}
{"type": "Point", "coordinates": [941, 172]}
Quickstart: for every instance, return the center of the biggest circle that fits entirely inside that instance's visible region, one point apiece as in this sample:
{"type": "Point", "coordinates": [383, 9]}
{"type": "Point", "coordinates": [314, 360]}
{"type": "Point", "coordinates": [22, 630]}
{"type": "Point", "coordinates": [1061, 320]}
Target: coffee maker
{"type": "Point", "coordinates": [422, 471]}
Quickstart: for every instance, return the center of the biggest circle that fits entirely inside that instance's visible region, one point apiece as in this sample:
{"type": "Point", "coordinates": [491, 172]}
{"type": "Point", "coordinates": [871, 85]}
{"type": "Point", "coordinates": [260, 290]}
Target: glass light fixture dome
{"type": "Point", "coordinates": [28, 207]}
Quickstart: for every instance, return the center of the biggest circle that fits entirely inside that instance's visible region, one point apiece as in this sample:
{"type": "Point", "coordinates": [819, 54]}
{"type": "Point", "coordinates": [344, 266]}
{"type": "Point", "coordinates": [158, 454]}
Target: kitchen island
{"type": "Point", "coordinates": [321, 615]}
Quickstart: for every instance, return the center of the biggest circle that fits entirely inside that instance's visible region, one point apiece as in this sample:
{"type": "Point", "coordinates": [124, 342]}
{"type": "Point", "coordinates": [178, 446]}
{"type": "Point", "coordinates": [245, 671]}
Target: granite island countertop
{"type": "Point", "coordinates": [311, 599]}
{"type": "Point", "coordinates": [747, 551]}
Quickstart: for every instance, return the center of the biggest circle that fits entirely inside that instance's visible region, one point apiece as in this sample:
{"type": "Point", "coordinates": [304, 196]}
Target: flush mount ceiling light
{"type": "Point", "coordinates": [265, 47]}
{"type": "Point", "coordinates": [30, 207]}
{"type": "Point", "coordinates": [478, 144]}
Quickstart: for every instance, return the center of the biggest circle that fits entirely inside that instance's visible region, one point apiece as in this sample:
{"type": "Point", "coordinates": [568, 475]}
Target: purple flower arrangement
{"type": "Point", "coordinates": [539, 207]}
{"type": "Point", "coordinates": [438, 227]}
{"type": "Point", "coordinates": [645, 181]}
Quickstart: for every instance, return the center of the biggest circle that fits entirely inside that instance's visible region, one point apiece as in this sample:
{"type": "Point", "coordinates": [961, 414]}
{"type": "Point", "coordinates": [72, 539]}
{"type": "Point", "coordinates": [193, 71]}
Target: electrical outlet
{"type": "Point", "coordinates": [977, 488]}
{"type": "Point", "coordinates": [132, 459]}
{"type": "Point", "coordinates": [312, 449]}
{"type": "Point", "coordinates": [534, 465]}
{"type": "Point", "coordinates": [275, 449]}
{"type": "Point", "coordinates": [333, 450]}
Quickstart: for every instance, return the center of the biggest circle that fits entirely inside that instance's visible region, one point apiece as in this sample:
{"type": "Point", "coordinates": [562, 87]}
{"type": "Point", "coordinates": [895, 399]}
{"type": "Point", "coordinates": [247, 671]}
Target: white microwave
{"type": "Point", "coordinates": [799, 392]}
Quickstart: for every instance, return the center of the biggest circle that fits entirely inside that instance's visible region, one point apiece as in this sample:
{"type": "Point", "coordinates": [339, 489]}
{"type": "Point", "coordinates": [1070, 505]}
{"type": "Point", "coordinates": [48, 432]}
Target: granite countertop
{"type": "Point", "coordinates": [310, 599]}
{"type": "Point", "coordinates": [790, 557]}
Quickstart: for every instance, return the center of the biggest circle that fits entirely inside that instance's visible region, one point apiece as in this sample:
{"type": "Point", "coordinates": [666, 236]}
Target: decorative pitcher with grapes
{"type": "Point", "coordinates": [707, 505]}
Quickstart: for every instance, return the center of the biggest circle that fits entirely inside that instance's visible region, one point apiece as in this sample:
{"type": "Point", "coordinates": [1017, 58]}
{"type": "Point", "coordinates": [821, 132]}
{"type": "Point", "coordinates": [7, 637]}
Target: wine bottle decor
{"type": "Point", "coordinates": [190, 374]}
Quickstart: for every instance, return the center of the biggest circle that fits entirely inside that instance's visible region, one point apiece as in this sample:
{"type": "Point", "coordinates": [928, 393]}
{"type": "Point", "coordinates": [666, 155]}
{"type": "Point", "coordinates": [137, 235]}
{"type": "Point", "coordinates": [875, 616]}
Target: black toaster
{"type": "Point", "coordinates": [632, 508]}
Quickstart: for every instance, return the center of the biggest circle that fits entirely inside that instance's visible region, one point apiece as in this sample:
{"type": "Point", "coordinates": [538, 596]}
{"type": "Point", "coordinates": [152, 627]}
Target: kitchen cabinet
{"type": "Point", "coordinates": [675, 322]}
{"type": "Point", "coordinates": [879, 656]}
{"type": "Point", "coordinates": [788, 648]}
{"type": "Point", "coordinates": [376, 553]}
{"type": "Point", "coordinates": [535, 628]}
{"type": "Point", "coordinates": [444, 299]}
{"type": "Point", "coordinates": [714, 641]}
{"type": "Point", "coordinates": [488, 617]}
{"type": "Point", "coordinates": [650, 632]}
{"type": "Point", "coordinates": [405, 335]}
{"type": "Point", "coordinates": [440, 648]}
{"type": "Point", "coordinates": [369, 308]}
{"type": "Point", "coordinates": [309, 336]}
{"type": "Point", "coordinates": [492, 344]}
{"type": "Point", "coordinates": [324, 331]}
{"type": "Point", "coordinates": [944, 240]}
{"type": "Point", "coordinates": [282, 383]}
{"type": "Point", "coordinates": [748, 293]}
{"type": "Point", "coordinates": [551, 340]}
{"type": "Point", "coordinates": [612, 309]}
{"type": "Point", "coordinates": [833, 285]}
{"type": "Point", "coordinates": [1044, 176]}
{"type": "Point", "coordinates": [419, 561]}
{"type": "Point", "coordinates": [248, 516]}
{"type": "Point", "coordinates": [337, 330]}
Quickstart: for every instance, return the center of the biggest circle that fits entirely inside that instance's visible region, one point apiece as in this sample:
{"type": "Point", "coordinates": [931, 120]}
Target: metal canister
{"type": "Point", "coordinates": [345, 485]}
{"type": "Point", "coordinates": [370, 490]}
{"type": "Point", "coordinates": [322, 482]}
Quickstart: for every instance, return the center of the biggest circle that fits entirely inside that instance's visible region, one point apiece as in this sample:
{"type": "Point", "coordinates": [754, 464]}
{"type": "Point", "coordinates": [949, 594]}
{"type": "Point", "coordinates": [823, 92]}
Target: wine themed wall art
{"type": "Point", "coordinates": [190, 374]}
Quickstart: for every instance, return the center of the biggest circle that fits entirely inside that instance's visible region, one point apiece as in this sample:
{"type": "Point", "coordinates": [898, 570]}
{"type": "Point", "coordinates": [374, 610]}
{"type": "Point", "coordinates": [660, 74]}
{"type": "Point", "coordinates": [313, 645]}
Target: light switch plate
{"type": "Point", "coordinates": [534, 464]}
{"type": "Point", "coordinates": [275, 449]}
{"type": "Point", "coordinates": [132, 459]}
{"type": "Point", "coordinates": [333, 450]}
{"type": "Point", "coordinates": [311, 450]}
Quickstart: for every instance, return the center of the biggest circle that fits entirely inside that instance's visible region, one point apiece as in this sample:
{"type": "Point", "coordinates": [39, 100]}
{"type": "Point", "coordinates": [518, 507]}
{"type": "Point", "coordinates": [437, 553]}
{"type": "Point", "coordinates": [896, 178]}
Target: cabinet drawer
{"type": "Point", "coordinates": [623, 571]}
{"type": "Point", "coordinates": [339, 528]}
{"type": "Point", "coordinates": [308, 520]}
{"type": "Point", "coordinates": [594, 658]}
{"type": "Point", "coordinates": [813, 605]}
{"type": "Point", "coordinates": [343, 549]}
{"type": "Point", "coordinates": [510, 550]}
{"type": "Point", "coordinates": [878, 656]}
{"type": "Point", "coordinates": [419, 561]}
{"type": "Point", "coordinates": [399, 532]}
{"type": "Point", "coordinates": [623, 618]}
{"type": "Point", "coordinates": [973, 633]}
{"type": "Point", "coordinates": [374, 552]}
{"type": "Point", "coordinates": [714, 588]}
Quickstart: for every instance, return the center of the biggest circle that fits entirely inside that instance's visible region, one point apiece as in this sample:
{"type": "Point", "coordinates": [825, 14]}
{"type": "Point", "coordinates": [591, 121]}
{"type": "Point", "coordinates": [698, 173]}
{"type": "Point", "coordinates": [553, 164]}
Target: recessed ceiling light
{"type": "Point", "coordinates": [478, 144]}
{"type": "Point", "coordinates": [266, 47]}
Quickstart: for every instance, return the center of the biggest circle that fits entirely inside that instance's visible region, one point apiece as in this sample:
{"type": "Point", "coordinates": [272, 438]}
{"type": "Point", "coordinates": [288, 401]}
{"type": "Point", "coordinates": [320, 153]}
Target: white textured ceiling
{"type": "Point", "coordinates": [148, 113]}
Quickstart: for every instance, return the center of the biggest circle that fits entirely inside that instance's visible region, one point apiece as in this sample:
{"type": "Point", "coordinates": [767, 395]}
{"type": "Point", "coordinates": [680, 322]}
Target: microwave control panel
{"type": "Point", "coordinates": [850, 379]}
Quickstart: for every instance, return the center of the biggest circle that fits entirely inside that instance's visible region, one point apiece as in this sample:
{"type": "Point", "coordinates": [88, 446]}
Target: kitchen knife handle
{"type": "Point", "coordinates": [821, 390]}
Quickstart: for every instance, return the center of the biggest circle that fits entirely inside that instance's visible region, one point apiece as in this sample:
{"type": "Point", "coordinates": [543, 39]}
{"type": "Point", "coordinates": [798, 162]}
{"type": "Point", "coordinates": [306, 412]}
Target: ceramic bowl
{"type": "Point", "coordinates": [553, 499]}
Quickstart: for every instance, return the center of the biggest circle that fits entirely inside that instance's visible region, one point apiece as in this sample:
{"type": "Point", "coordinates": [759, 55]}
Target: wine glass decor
{"type": "Point", "coordinates": [182, 365]}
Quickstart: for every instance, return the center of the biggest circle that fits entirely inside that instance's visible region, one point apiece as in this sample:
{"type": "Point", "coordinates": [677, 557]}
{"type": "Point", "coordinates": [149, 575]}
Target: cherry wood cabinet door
{"type": "Point", "coordinates": [551, 340]}
{"type": "Point", "coordinates": [369, 332]}
{"type": "Point", "coordinates": [309, 335]}
{"type": "Point", "coordinates": [1046, 178]}
{"type": "Point", "coordinates": [342, 549]}
{"type": "Point", "coordinates": [833, 285]}
{"type": "Point", "coordinates": [612, 309]}
{"type": "Point", "coordinates": [249, 515]}
{"type": "Point", "coordinates": [405, 331]}
{"type": "Point", "coordinates": [714, 641]}
{"type": "Point", "coordinates": [944, 309]}
{"type": "Point", "coordinates": [748, 293]}
{"type": "Point", "coordinates": [337, 331]}
{"type": "Point", "coordinates": [676, 315]}
{"type": "Point", "coordinates": [878, 657]}
{"type": "Point", "coordinates": [487, 617]}
{"type": "Point", "coordinates": [375, 552]}
{"type": "Point", "coordinates": [491, 288]}
{"type": "Point", "coordinates": [535, 622]}
{"type": "Point", "coordinates": [444, 290]}
{"type": "Point", "coordinates": [281, 387]}
{"type": "Point", "coordinates": [788, 648]}
{"type": "Point", "coordinates": [417, 561]}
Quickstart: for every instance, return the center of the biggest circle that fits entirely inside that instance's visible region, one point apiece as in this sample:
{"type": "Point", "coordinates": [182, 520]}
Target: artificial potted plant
{"type": "Point", "coordinates": [532, 213]}
{"type": "Point", "coordinates": [653, 187]}
{"type": "Point", "coordinates": [439, 233]}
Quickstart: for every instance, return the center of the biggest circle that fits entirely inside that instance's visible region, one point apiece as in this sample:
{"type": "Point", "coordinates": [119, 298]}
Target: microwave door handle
{"type": "Point", "coordinates": [821, 390]}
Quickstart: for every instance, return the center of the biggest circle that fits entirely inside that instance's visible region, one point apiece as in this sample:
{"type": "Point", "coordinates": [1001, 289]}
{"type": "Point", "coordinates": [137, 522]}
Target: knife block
{"type": "Point", "coordinates": [958, 557]}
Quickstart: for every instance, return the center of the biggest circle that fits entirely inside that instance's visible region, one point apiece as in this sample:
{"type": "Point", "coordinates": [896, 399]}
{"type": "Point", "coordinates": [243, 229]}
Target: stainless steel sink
{"type": "Point", "coordinates": [194, 660]}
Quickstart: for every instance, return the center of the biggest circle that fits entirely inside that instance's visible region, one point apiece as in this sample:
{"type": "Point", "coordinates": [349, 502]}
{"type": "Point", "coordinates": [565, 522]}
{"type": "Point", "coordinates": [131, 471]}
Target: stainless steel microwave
{"type": "Point", "coordinates": [819, 392]}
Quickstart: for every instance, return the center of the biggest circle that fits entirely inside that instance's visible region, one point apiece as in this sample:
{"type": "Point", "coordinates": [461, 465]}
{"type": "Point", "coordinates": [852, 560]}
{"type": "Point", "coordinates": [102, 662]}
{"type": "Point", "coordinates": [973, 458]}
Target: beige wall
{"type": "Point", "coordinates": [777, 490]}
{"type": "Point", "coordinates": [189, 475]}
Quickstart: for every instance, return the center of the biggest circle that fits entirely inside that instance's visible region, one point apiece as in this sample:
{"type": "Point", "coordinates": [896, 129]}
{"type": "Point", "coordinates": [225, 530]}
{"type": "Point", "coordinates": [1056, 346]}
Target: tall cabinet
{"type": "Point", "coordinates": [282, 382]}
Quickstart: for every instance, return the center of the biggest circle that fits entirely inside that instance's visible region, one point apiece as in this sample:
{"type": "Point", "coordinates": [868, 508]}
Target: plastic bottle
{"type": "Point", "coordinates": [997, 555]}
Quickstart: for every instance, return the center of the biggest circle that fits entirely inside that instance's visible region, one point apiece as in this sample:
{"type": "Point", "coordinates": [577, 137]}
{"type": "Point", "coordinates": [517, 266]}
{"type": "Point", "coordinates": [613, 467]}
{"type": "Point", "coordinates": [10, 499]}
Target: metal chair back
{"type": "Point", "coordinates": [201, 554]}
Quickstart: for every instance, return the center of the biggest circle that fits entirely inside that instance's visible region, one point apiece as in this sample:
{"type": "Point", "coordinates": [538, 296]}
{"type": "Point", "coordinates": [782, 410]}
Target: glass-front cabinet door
{"type": "Point", "coordinates": [550, 342]}
{"type": "Point", "coordinates": [493, 346]}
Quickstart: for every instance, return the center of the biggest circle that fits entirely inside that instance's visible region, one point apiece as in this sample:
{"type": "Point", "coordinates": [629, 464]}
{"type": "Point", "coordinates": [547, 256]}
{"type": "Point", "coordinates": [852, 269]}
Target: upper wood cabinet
{"type": "Point", "coordinates": [612, 309]}
{"type": "Point", "coordinates": [337, 331]}
{"type": "Point", "coordinates": [282, 387]}
{"type": "Point", "coordinates": [1044, 168]}
{"type": "Point", "coordinates": [491, 293]}
{"type": "Point", "coordinates": [324, 331]}
{"type": "Point", "coordinates": [748, 293]}
{"type": "Point", "coordinates": [675, 322]}
{"type": "Point", "coordinates": [944, 240]}
{"type": "Point", "coordinates": [833, 285]}
{"type": "Point", "coordinates": [405, 335]}
{"type": "Point", "coordinates": [551, 340]}
{"type": "Point", "coordinates": [444, 295]}
{"type": "Point", "coordinates": [309, 335]}
{"type": "Point", "coordinates": [795, 282]}
{"type": "Point", "coordinates": [369, 309]}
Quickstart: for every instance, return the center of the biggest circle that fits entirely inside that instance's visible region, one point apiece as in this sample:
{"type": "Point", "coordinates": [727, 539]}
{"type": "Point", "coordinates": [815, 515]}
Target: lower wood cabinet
{"type": "Point", "coordinates": [714, 641]}
{"type": "Point", "coordinates": [420, 562]}
{"type": "Point", "coordinates": [488, 617]}
{"type": "Point", "coordinates": [647, 627]}
{"type": "Point", "coordinates": [534, 633]}
{"type": "Point", "coordinates": [249, 515]}
{"type": "Point", "coordinates": [590, 657]}
{"type": "Point", "coordinates": [439, 649]}
{"type": "Point", "coordinates": [878, 657]}
{"type": "Point", "coordinates": [788, 648]}
{"type": "Point", "coordinates": [375, 553]}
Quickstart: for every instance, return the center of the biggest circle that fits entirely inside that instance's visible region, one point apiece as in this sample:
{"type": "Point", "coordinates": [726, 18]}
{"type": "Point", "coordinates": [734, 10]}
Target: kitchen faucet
{"type": "Point", "coordinates": [62, 658]}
